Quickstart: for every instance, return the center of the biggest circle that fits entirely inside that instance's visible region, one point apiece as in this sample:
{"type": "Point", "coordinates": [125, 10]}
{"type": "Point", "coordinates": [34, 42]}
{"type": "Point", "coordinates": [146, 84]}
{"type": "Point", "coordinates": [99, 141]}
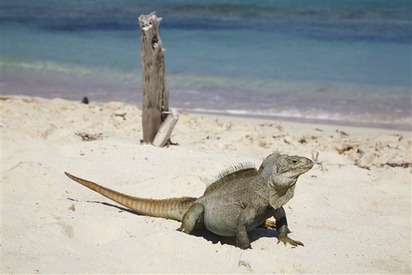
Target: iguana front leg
{"type": "Point", "coordinates": [242, 238]}
{"type": "Point", "coordinates": [246, 219]}
{"type": "Point", "coordinates": [282, 228]}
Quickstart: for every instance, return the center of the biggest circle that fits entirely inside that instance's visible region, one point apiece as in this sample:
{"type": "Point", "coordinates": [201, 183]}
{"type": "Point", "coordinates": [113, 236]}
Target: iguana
{"type": "Point", "coordinates": [236, 203]}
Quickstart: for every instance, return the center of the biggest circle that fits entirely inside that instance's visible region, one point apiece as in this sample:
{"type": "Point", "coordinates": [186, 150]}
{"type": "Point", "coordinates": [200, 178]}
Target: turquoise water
{"type": "Point", "coordinates": [347, 61]}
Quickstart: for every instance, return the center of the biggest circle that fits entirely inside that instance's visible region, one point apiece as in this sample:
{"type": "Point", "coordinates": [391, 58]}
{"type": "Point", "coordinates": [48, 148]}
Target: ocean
{"type": "Point", "coordinates": [340, 61]}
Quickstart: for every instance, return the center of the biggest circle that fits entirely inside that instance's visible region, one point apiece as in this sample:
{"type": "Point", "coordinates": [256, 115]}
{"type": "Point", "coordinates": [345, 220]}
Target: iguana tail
{"type": "Point", "coordinates": [173, 208]}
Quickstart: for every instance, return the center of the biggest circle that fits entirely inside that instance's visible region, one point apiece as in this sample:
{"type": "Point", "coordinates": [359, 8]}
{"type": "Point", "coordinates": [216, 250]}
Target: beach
{"type": "Point", "coordinates": [352, 210]}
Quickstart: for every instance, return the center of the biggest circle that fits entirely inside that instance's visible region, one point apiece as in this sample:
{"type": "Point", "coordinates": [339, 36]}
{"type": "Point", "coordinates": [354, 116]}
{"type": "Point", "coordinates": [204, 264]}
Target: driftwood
{"type": "Point", "coordinates": [155, 94]}
{"type": "Point", "coordinates": [165, 130]}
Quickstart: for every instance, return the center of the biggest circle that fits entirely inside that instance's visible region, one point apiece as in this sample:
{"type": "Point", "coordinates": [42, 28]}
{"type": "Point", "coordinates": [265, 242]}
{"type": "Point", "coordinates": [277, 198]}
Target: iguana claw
{"type": "Point", "coordinates": [286, 240]}
{"type": "Point", "coordinates": [181, 229]}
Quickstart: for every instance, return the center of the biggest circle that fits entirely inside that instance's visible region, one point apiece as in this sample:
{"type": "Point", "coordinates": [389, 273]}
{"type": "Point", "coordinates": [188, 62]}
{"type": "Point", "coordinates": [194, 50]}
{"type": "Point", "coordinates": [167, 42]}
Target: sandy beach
{"type": "Point", "coordinates": [352, 210]}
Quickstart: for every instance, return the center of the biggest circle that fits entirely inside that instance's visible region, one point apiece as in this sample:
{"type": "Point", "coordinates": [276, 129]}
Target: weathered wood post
{"type": "Point", "coordinates": [156, 128]}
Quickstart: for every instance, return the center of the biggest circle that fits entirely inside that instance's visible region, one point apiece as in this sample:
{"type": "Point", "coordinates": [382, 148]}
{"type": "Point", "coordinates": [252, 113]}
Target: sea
{"type": "Point", "coordinates": [335, 61]}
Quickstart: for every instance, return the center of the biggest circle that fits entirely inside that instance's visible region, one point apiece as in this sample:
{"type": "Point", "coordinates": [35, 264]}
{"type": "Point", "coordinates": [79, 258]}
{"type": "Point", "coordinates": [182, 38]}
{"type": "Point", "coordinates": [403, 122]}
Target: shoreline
{"type": "Point", "coordinates": [251, 115]}
{"type": "Point", "coordinates": [340, 103]}
{"type": "Point", "coordinates": [331, 122]}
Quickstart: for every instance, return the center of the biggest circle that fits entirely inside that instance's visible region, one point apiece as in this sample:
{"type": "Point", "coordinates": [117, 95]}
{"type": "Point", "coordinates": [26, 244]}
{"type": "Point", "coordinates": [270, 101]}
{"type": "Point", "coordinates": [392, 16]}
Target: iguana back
{"type": "Point", "coordinates": [231, 176]}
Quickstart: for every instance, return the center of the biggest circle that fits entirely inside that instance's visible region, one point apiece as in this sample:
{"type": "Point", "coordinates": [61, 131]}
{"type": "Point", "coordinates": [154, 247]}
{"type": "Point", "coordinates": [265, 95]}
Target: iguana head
{"type": "Point", "coordinates": [281, 172]}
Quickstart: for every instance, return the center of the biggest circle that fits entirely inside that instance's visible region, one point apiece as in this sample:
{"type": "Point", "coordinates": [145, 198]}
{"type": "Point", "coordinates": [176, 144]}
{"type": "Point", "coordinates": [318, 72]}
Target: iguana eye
{"type": "Point", "coordinates": [293, 161]}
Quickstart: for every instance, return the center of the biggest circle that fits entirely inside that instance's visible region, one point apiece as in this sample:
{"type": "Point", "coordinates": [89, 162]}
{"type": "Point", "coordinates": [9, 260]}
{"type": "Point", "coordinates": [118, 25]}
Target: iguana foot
{"type": "Point", "coordinates": [269, 224]}
{"type": "Point", "coordinates": [286, 240]}
{"type": "Point", "coordinates": [248, 246]}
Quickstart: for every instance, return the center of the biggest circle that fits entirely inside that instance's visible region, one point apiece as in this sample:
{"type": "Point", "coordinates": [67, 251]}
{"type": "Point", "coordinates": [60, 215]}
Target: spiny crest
{"type": "Point", "coordinates": [233, 169]}
{"type": "Point", "coordinates": [227, 176]}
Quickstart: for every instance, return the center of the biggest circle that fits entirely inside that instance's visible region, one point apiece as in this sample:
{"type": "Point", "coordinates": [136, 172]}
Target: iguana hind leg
{"type": "Point", "coordinates": [191, 218]}
{"type": "Point", "coordinates": [268, 224]}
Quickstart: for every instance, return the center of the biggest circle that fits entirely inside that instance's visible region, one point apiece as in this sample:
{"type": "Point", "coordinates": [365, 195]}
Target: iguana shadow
{"type": "Point", "coordinates": [253, 235]}
{"type": "Point", "coordinates": [206, 234]}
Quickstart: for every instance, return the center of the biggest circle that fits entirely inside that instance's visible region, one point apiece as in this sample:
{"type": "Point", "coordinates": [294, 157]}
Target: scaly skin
{"type": "Point", "coordinates": [233, 205]}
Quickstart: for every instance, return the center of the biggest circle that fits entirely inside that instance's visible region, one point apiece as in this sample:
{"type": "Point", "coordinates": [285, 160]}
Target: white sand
{"type": "Point", "coordinates": [351, 219]}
